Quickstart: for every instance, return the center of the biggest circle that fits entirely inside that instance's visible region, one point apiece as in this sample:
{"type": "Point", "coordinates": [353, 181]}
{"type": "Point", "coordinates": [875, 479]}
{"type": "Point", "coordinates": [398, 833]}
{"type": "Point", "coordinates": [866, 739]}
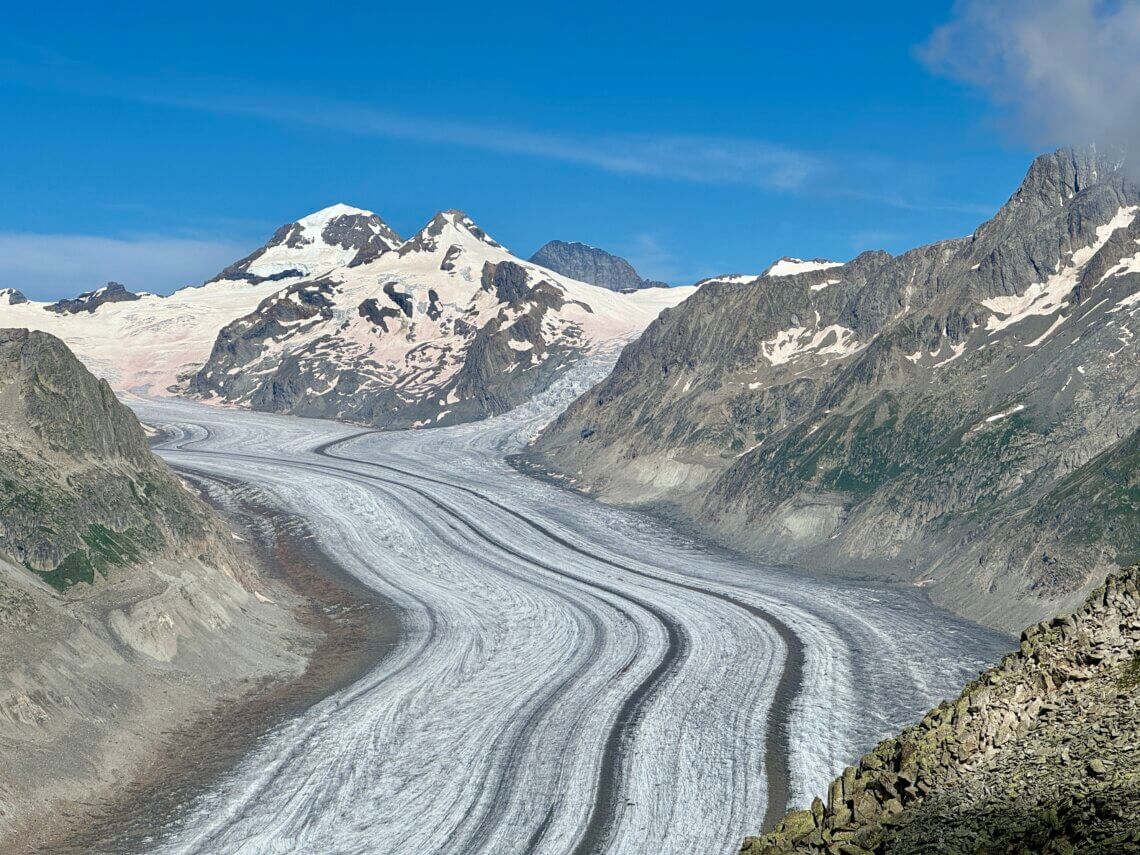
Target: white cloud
{"type": "Point", "coordinates": [49, 266]}
{"type": "Point", "coordinates": [1070, 69]}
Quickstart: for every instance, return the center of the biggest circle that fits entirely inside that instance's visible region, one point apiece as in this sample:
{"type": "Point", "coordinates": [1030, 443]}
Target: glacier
{"type": "Point", "coordinates": [570, 676]}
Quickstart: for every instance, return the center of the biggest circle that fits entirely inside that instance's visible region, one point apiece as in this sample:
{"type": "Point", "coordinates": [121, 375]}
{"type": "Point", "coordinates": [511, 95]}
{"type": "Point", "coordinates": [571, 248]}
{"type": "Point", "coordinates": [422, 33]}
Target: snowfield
{"type": "Point", "coordinates": [145, 345]}
{"type": "Point", "coordinates": [570, 677]}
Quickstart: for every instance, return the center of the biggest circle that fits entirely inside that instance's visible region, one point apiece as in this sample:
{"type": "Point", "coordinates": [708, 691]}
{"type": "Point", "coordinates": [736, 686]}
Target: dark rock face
{"type": "Point", "coordinates": [404, 301]}
{"type": "Point", "coordinates": [1039, 754]}
{"type": "Point", "coordinates": [89, 301]}
{"type": "Point", "coordinates": [82, 492]}
{"type": "Point", "coordinates": [945, 416]}
{"type": "Point", "coordinates": [593, 265]}
{"type": "Point", "coordinates": [365, 236]}
{"type": "Point", "coordinates": [12, 297]}
{"type": "Point", "coordinates": [277, 316]}
{"type": "Point", "coordinates": [507, 279]}
{"type": "Point", "coordinates": [371, 309]}
{"type": "Point", "coordinates": [488, 377]}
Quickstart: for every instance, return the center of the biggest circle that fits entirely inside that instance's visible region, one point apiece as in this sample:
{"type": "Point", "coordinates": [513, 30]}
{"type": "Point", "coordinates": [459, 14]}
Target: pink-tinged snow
{"type": "Point", "coordinates": [423, 354]}
{"type": "Point", "coordinates": [144, 345]}
{"type": "Point", "coordinates": [794, 266]}
{"type": "Point", "coordinates": [1051, 296]}
{"type": "Point", "coordinates": [148, 345]}
{"type": "Point", "coordinates": [833, 340]}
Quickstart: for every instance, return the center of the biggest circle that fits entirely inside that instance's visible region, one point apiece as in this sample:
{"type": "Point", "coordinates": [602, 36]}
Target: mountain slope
{"type": "Point", "coordinates": [905, 417]}
{"type": "Point", "coordinates": [1039, 754]}
{"type": "Point", "coordinates": [590, 264]}
{"type": "Point", "coordinates": [83, 495]}
{"type": "Point", "coordinates": [447, 328]}
{"type": "Point", "coordinates": [124, 608]}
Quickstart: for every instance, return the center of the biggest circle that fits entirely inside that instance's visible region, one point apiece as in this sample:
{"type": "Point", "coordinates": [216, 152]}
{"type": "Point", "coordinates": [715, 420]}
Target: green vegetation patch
{"type": "Point", "coordinates": [1100, 501]}
{"type": "Point", "coordinates": [105, 549]}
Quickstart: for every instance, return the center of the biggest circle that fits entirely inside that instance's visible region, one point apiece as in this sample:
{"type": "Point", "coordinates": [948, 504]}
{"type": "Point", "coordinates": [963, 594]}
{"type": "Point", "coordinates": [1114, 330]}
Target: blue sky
{"type": "Point", "coordinates": [154, 144]}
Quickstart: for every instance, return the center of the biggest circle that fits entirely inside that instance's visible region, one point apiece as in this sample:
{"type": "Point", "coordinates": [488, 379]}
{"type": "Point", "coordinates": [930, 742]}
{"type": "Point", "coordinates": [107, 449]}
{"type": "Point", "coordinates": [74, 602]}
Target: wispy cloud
{"type": "Point", "coordinates": [48, 266]}
{"type": "Point", "coordinates": [712, 160]}
{"type": "Point", "coordinates": [705, 159]}
{"type": "Point", "coordinates": [1068, 69]}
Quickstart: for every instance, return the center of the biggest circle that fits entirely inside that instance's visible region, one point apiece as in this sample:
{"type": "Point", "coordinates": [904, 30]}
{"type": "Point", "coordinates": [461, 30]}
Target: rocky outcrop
{"type": "Point", "coordinates": [1039, 754]}
{"type": "Point", "coordinates": [12, 297]}
{"type": "Point", "coordinates": [914, 418]}
{"type": "Point", "coordinates": [83, 496]}
{"type": "Point", "coordinates": [89, 301]}
{"type": "Point", "coordinates": [590, 264]}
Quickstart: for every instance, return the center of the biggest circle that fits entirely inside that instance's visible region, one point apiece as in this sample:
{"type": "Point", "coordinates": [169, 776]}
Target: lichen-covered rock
{"type": "Point", "coordinates": [1039, 754]}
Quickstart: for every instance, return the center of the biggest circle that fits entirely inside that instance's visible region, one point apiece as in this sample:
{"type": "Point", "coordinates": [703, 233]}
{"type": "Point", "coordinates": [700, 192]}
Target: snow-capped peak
{"type": "Point", "coordinates": [446, 229]}
{"type": "Point", "coordinates": [321, 218]}
{"type": "Point", "coordinates": [337, 236]}
{"type": "Point", "coordinates": [731, 278]}
{"type": "Point", "coordinates": [788, 266]}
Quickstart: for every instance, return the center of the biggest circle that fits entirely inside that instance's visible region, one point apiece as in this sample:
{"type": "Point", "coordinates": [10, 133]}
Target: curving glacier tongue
{"type": "Point", "coordinates": [570, 677]}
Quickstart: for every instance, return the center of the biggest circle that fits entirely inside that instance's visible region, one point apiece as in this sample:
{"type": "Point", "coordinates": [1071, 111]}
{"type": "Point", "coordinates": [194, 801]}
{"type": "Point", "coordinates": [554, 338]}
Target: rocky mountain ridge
{"type": "Point", "coordinates": [446, 327]}
{"type": "Point", "coordinates": [337, 236]}
{"type": "Point", "coordinates": [1039, 754]}
{"type": "Point", "coordinates": [589, 264]}
{"type": "Point", "coordinates": [88, 301]}
{"type": "Point", "coordinates": [336, 316]}
{"type": "Point", "coordinates": [945, 417]}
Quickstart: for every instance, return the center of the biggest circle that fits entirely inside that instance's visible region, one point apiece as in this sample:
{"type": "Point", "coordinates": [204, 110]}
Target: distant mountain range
{"type": "Point", "coordinates": [337, 316]}
{"type": "Point", "coordinates": [444, 327]}
{"type": "Point", "coordinates": [962, 417]}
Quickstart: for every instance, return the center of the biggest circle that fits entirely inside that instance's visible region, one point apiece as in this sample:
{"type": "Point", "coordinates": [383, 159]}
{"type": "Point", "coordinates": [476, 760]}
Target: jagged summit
{"type": "Point", "coordinates": [337, 236]}
{"type": "Point", "coordinates": [589, 264]}
{"type": "Point", "coordinates": [89, 301]}
{"type": "Point", "coordinates": [447, 228]}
